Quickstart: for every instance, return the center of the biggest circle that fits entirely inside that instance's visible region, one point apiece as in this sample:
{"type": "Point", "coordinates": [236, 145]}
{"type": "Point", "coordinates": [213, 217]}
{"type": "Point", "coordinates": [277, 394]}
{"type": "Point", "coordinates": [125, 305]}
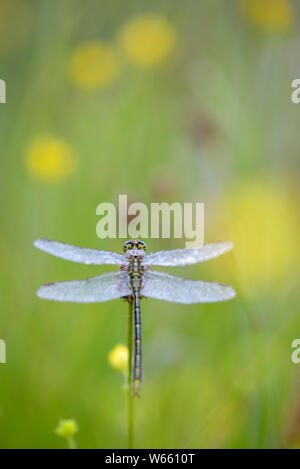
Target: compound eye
{"type": "Point", "coordinates": [126, 246]}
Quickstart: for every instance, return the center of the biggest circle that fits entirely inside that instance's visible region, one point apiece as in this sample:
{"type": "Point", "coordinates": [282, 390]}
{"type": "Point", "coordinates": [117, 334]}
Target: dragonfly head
{"type": "Point", "coordinates": [134, 244]}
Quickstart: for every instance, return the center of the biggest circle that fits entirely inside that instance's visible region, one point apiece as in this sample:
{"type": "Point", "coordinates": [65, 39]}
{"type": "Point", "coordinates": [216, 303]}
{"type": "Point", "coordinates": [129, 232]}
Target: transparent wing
{"type": "Point", "coordinates": [187, 256]}
{"type": "Point", "coordinates": [179, 290]}
{"type": "Point", "coordinates": [93, 290]}
{"type": "Point", "coordinates": [81, 255]}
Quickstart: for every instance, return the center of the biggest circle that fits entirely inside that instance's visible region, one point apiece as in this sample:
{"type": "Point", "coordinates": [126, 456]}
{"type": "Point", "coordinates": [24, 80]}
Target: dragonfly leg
{"type": "Point", "coordinates": [128, 298]}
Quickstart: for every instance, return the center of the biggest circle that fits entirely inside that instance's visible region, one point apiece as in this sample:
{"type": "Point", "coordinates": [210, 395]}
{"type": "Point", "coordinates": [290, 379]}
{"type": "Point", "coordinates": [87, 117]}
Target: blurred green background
{"type": "Point", "coordinates": [164, 102]}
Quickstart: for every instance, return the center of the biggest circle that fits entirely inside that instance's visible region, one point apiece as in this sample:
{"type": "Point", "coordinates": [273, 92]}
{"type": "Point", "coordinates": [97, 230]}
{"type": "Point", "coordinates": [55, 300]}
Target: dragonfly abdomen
{"type": "Point", "coordinates": [135, 284]}
{"type": "Point", "coordinates": [137, 366]}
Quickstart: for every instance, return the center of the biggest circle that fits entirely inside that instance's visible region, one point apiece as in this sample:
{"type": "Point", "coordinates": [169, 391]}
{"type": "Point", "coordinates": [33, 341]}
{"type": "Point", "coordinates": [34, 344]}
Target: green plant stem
{"type": "Point", "coordinates": [72, 443]}
{"type": "Point", "coordinates": [129, 390]}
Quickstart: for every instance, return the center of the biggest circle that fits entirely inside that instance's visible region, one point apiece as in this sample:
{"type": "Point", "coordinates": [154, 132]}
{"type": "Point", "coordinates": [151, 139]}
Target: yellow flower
{"type": "Point", "coordinates": [93, 65]}
{"type": "Point", "coordinates": [147, 40]}
{"type": "Point", "coordinates": [66, 428]}
{"type": "Point", "coordinates": [262, 222]}
{"type": "Point", "coordinates": [118, 358]}
{"type": "Point", "coordinates": [269, 15]}
{"type": "Point", "coordinates": [50, 159]}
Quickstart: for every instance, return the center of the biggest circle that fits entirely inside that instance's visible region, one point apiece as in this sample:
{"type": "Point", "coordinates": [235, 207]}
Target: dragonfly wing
{"type": "Point", "coordinates": [187, 256]}
{"type": "Point", "coordinates": [93, 290]}
{"type": "Point", "coordinates": [81, 255]}
{"type": "Point", "coordinates": [166, 287]}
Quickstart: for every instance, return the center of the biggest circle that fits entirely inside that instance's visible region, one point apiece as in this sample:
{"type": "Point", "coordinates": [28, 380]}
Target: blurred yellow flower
{"type": "Point", "coordinates": [93, 65]}
{"type": "Point", "coordinates": [262, 222]}
{"type": "Point", "coordinates": [269, 15]}
{"type": "Point", "coordinates": [66, 428]}
{"type": "Point", "coordinates": [50, 159]}
{"type": "Point", "coordinates": [147, 40]}
{"type": "Point", "coordinates": [118, 358]}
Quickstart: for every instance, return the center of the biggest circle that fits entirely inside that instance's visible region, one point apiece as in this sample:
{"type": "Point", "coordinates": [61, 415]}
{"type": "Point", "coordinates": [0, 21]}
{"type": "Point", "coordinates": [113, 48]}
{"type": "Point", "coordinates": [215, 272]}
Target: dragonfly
{"type": "Point", "coordinates": [134, 281]}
